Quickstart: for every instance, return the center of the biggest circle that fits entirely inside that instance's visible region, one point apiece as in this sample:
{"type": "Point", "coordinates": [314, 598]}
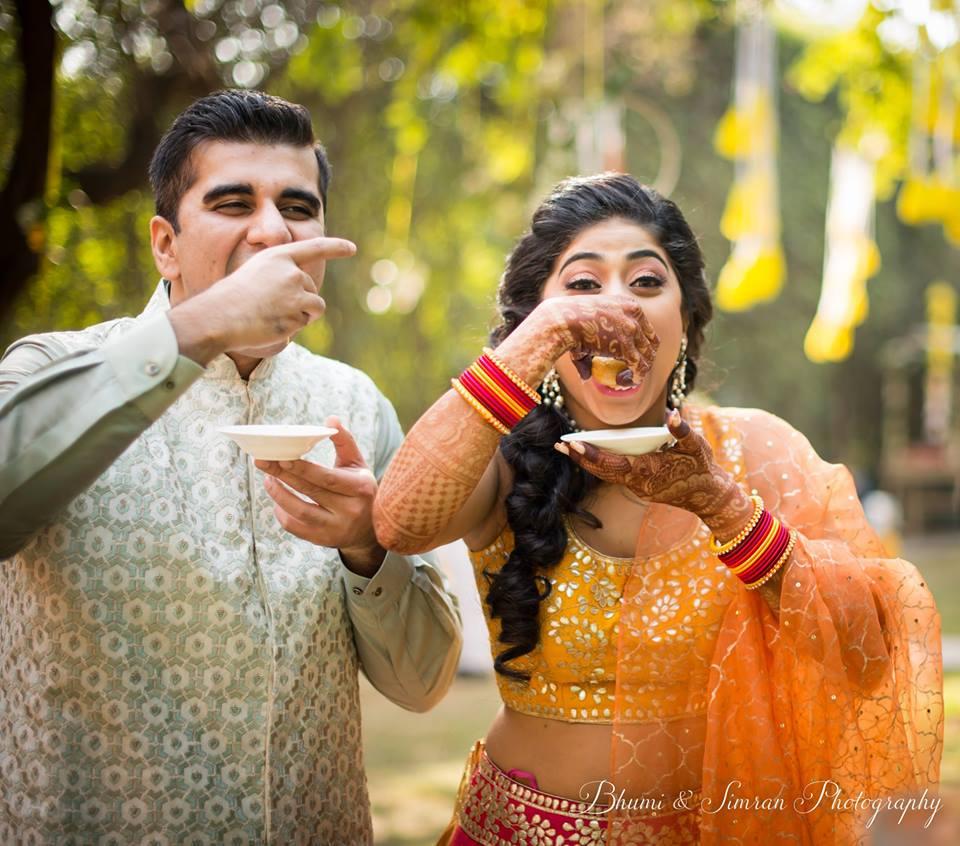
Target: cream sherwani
{"type": "Point", "coordinates": [174, 667]}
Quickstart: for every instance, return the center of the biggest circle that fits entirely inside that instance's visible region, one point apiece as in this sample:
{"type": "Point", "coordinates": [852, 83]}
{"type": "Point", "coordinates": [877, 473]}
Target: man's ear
{"type": "Point", "coordinates": [163, 242]}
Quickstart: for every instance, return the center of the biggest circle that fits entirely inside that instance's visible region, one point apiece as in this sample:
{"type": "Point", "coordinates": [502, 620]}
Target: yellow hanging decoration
{"type": "Point", "coordinates": [952, 229]}
{"type": "Point", "coordinates": [753, 273]}
{"type": "Point", "coordinates": [747, 134]}
{"type": "Point", "coordinates": [600, 136]}
{"type": "Point", "coordinates": [945, 142]}
{"type": "Point", "coordinates": [851, 257]}
{"type": "Point", "coordinates": [931, 189]}
{"type": "Point", "coordinates": [925, 199]}
{"type": "Point", "coordinates": [743, 216]}
{"type": "Point", "coordinates": [941, 352]}
{"type": "Point", "coordinates": [740, 131]}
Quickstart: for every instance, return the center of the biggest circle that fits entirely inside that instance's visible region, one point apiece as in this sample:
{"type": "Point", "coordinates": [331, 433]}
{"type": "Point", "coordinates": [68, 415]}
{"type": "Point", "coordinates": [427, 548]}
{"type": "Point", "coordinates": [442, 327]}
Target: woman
{"type": "Point", "coordinates": [693, 645]}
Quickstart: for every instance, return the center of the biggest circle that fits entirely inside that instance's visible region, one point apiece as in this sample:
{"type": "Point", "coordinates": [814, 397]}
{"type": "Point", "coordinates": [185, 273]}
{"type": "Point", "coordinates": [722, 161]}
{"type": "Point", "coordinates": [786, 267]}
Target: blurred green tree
{"type": "Point", "coordinates": [445, 124]}
{"type": "Point", "coordinates": [93, 83]}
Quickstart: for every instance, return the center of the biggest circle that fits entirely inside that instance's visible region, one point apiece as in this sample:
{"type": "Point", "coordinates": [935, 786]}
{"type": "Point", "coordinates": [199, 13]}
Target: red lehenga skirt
{"type": "Point", "coordinates": [496, 807]}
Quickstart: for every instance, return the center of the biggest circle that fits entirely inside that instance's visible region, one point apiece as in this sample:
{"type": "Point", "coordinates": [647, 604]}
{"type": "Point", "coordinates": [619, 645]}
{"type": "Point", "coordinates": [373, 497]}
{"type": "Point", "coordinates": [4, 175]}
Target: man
{"type": "Point", "coordinates": [179, 634]}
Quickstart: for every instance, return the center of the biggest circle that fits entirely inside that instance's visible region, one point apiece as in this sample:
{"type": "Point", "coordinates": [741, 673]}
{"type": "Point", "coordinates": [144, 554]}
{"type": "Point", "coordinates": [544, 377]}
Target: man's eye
{"type": "Point", "coordinates": [234, 206]}
{"type": "Point", "coordinates": [298, 211]}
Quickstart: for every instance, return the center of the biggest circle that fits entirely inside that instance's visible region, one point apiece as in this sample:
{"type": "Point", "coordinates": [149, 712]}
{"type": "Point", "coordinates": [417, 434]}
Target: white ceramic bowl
{"type": "Point", "coordinates": [277, 443]}
{"type": "Point", "coordinates": [625, 441]}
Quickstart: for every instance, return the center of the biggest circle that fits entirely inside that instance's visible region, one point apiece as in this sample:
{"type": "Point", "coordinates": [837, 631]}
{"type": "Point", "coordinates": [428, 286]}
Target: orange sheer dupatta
{"type": "Point", "coordinates": [789, 716]}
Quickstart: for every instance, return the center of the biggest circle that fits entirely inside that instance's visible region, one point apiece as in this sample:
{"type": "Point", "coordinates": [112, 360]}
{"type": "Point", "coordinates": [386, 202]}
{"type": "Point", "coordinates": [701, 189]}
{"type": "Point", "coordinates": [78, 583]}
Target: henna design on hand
{"type": "Point", "coordinates": [445, 455]}
{"type": "Point", "coordinates": [592, 325]}
{"type": "Point", "coordinates": [685, 476]}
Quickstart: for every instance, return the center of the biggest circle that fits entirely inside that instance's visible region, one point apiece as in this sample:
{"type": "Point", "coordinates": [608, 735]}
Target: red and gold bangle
{"type": "Point", "coordinates": [496, 393]}
{"type": "Point", "coordinates": [511, 374]}
{"type": "Point", "coordinates": [772, 549]}
{"type": "Point", "coordinates": [759, 550]}
{"type": "Point", "coordinates": [718, 548]}
{"type": "Point", "coordinates": [484, 377]}
{"type": "Point", "coordinates": [745, 556]}
{"type": "Point", "coordinates": [774, 553]}
{"type": "Point", "coordinates": [493, 400]}
{"type": "Point", "coordinates": [479, 407]}
{"type": "Point", "coordinates": [509, 380]}
{"type": "Point", "coordinates": [749, 545]}
{"type": "Point", "coordinates": [784, 557]}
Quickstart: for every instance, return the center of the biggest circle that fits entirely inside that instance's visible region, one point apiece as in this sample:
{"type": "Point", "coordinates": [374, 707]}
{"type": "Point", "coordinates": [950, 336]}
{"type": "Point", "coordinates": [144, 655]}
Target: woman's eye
{"type": "Point", "coordinates": [582, 284]}
{"type": "Point", "coordinates": [648, 281]}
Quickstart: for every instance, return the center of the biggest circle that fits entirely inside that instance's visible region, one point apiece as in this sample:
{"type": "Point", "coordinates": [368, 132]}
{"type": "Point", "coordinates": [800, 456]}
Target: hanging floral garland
{"type": "Point", "coordinates": [851, 256]}
{"type": "Point", "coordinates": [747, 134]}
{"type": "Point", "coordinates": [931, 189]}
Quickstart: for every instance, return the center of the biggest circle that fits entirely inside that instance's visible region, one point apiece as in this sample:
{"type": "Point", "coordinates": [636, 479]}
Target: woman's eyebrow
{"type": "Point", "coordinates": [647, 254]}
{"type": "Point", "coordinates": [635, 254]}
{"type": "Point", "coordinates": [579, 256]}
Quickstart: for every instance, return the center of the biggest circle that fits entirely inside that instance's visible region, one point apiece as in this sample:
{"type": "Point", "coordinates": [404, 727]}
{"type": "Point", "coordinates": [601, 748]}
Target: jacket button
{"type": "Point", "coordinates": [151, 368]}
{"type": "Point", "coordinates": [358, 591]}
{"type": "Point", "coordinates": [378, 591]}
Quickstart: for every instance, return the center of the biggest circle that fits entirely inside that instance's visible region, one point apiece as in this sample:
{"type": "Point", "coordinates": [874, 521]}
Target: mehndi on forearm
{"type": "Point", "coordinates": [446, 453]}
{"type": "Point", "coordinates": [770, 590]}
{"type": "Point", "coordinates": [432, 475]}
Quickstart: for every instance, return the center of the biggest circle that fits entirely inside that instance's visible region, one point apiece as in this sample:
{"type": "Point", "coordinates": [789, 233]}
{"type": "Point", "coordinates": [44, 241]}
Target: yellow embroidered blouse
{"type": "Point", "coordinates": [705, 685]}
{"type": "Point", "coordinates": [573, 668]}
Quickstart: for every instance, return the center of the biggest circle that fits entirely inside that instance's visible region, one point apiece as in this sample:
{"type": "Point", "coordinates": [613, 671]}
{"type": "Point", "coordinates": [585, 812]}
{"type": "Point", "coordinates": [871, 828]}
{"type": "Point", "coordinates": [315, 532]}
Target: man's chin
{"type": "Point", "coordinates": [261, 352]}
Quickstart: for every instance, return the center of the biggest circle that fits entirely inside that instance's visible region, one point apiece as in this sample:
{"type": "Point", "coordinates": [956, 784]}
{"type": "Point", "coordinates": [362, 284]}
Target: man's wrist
{"type": "Point", "coordinates": [365, 561]}
{"type": "Point", "coordinates": [198, 335]}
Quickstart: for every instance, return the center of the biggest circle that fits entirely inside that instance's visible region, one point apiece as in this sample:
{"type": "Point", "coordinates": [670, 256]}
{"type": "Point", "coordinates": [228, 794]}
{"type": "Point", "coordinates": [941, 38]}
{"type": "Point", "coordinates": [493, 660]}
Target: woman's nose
{"type": "Point", "coordinates": [617, 286]}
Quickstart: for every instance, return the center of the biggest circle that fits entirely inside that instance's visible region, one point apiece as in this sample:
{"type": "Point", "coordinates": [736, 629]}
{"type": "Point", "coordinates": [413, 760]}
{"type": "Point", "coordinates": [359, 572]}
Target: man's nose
{"type": "Point", "coordinates": [268, 227]}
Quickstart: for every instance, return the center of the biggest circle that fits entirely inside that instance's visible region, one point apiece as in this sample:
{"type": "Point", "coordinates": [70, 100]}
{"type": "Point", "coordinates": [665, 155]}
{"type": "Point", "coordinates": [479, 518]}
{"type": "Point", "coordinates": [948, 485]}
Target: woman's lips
{"type": "Point", "coordinates": [614, 392]}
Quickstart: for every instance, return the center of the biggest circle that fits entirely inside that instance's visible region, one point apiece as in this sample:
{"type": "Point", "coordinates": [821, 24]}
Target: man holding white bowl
{"type": "Point", "coordinates": [180, 635]}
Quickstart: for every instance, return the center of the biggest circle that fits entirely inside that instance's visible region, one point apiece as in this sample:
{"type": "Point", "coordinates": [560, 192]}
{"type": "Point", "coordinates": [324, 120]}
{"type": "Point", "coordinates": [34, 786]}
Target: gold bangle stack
{"type": "Point", "coordinates": [520, 383]}
{"type": "Point", "coordinates": [761, 550]}
{"type": "Point", "coordinates": [479, 407]}
{"type": "Point", "coordinates": [780, 562]}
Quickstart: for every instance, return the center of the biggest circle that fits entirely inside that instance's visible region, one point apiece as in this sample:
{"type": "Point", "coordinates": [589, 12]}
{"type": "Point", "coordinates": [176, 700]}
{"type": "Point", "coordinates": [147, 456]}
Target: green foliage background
{"type": "Point", "coordinates": [485, 98]}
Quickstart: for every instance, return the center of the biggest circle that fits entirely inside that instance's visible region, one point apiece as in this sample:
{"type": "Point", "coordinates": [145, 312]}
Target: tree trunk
{"type": "Point", "coordinates": [22, 198]}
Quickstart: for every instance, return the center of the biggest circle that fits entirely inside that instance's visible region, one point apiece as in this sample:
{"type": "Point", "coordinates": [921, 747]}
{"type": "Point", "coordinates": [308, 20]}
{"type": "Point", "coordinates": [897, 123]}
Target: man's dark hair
{"type": "Point", "coordinates": [230, 115]}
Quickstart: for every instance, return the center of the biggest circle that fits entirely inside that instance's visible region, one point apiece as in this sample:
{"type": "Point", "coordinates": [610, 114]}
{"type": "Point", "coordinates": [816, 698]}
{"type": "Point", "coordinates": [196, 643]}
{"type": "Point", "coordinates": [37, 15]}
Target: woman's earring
{"type": "Point", "coordinates": [678, 381]}
{"type": "Point", "coordinates": [550, 388]}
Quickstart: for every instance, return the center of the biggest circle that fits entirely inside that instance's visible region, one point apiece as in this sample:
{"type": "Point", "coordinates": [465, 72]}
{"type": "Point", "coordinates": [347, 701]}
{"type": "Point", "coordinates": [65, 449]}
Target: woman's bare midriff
{"type": "Point", "coordinates": [564, 757]}
{"type": "Point", "coordinates": [573, 760]}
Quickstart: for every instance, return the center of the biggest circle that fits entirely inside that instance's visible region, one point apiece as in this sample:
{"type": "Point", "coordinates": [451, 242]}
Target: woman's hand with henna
{"type": "Point", "coordinates": [685, 476]}
{"type": "Point", "coordinates": [585, 326]}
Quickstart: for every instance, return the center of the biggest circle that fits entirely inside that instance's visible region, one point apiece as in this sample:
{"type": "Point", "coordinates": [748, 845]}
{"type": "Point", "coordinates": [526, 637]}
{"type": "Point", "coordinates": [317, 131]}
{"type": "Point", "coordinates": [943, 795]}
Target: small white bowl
{"type": "Point", "coordinates": [277, 443]}
{"type": "Point", "coordinates": [636, 441]}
